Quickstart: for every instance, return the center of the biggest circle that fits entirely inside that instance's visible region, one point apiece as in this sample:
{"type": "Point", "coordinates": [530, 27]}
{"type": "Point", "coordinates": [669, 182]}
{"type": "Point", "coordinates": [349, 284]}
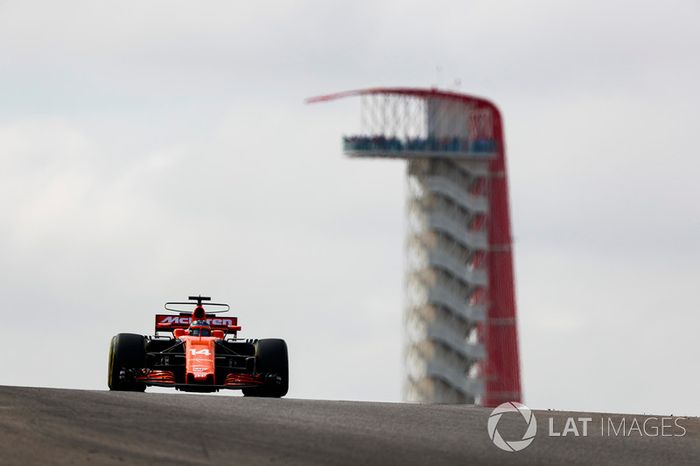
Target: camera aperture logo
{"type": "Point", "coordinates": [512, 445]}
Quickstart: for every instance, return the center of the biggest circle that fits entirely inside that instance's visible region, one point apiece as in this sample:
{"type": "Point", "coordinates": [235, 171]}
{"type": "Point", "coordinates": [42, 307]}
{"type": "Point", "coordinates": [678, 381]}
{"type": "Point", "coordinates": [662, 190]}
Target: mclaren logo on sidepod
{"type": "Point", "coordinates": [512, 445]}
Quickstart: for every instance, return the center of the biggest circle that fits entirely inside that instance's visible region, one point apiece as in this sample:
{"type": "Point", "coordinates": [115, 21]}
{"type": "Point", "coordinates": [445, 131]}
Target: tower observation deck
{"type": "Point", "coordinates": [460, 328]}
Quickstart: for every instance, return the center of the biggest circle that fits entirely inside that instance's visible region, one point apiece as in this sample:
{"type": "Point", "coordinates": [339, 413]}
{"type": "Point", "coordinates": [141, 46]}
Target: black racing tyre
{"type": "Point", "coordinates": [127, 351]}
{"type": "Point", "coordinates": [271, 358]}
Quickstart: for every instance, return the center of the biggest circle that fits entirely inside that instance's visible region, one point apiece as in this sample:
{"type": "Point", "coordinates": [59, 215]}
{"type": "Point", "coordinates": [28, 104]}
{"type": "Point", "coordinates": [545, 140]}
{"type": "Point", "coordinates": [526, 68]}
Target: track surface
{"type": "Point", "coordinates": [53, 426]}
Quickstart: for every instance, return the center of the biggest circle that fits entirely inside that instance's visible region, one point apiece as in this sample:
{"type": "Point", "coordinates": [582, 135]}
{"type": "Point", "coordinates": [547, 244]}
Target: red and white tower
{"type": "Point", "coordinates": [461, 335]}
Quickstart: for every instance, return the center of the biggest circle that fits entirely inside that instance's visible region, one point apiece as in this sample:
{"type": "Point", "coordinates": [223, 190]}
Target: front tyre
{"type": "Point", "coordinates": [126, 351]}
{"type": "Point", "coordinates": [271, 360]}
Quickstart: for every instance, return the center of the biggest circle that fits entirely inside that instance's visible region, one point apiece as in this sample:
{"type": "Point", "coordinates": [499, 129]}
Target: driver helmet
{"type": "Point", "coordinates": [200, 328]}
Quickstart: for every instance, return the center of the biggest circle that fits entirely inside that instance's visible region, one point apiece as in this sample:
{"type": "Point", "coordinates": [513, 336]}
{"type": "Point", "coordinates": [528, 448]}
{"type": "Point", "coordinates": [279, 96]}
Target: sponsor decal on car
{"type": "Point", "coordinates": [168, 321]}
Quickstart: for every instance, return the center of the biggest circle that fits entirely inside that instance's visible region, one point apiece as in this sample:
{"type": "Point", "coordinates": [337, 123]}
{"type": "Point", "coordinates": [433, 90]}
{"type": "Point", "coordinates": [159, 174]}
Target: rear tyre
{"type": "Point", "coordinates": [271, 359]}
{"type": "Point", "coordinates": [126, 351]}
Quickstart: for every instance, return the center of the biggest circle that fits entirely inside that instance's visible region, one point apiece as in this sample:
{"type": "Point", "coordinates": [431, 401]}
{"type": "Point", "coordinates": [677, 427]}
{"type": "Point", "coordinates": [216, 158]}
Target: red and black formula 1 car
{"type": "Point", "coordinates": [200, 352]}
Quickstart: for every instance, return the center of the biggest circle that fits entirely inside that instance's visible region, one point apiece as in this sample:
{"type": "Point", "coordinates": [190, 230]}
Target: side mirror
{"type": "Point", "coordinates": [178, 332]}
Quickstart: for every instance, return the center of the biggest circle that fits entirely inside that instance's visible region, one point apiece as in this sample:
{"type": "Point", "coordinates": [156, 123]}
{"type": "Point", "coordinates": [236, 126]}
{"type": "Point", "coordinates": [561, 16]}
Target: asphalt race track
{"type": "Point", "coordinates": [55, 426]}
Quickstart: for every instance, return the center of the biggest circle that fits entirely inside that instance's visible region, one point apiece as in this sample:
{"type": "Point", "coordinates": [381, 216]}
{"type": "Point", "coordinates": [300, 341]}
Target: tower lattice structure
{"type": "Point", "coordinates": [460, 328]}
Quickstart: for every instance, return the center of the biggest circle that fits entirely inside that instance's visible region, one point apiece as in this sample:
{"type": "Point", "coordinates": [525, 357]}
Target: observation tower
{"type": "Point", "coordinates": [460, 330]}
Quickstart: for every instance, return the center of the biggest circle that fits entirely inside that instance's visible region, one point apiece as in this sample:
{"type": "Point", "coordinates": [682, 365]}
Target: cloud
{"type": "Point", "coordinates": [153, 150]}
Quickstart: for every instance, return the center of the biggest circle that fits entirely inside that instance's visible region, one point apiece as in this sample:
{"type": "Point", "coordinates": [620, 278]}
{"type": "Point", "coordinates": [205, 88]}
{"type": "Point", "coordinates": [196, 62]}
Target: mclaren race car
{"type": "Point", "coordinates": [197, 350]}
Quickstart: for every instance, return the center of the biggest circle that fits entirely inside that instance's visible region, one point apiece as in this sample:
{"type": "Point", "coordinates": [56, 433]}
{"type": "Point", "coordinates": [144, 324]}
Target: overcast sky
{"type": "Point", "coordinates": [153, 149]}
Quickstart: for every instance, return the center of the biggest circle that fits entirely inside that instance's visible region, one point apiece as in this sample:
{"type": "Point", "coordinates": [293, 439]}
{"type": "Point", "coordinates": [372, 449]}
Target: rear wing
{"type": "Point", "coordinates": [169, 322]}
